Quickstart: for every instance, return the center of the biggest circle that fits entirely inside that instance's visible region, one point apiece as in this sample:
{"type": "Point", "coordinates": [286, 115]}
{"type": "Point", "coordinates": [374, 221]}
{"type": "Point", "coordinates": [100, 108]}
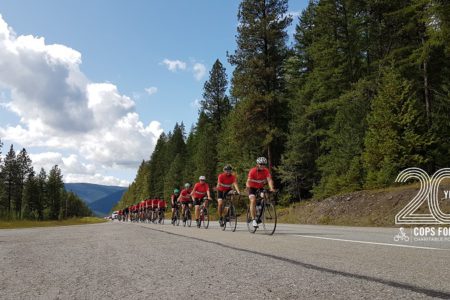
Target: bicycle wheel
{"type": "Point", "coordinates": [269, 218]}
{"type": "Point", "coordinates": [250, 227]}
{"type": "Point", "coordinates": [189, 218]}
{"type": "Point", "coordinates": [177, 217]}
{"type": "Point", "coordinates": [232, 219]}
{"type": "Point", "coordinates": [206, 217]}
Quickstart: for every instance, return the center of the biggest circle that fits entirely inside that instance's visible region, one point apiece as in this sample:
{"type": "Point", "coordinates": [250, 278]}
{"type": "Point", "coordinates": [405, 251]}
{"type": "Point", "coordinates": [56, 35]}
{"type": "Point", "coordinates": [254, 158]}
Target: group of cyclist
{"type": "Point", "coordinates": [200, 194]}
{"type": "Point", "coordinates": [149, 210]}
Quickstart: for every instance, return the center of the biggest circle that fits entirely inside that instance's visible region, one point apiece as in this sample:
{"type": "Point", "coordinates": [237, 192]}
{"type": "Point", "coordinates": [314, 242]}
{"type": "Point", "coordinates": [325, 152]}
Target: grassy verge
{"type": "Point", "coordinates": [10, 224]}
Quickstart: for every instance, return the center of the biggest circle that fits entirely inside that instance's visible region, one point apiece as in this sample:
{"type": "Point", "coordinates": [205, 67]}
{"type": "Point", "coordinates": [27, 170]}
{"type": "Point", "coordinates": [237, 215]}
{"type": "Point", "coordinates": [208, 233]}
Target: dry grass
{"type": "Point", "coordinates": [11, 224]}
{"type": "Point", "coordinates": [362, 208]}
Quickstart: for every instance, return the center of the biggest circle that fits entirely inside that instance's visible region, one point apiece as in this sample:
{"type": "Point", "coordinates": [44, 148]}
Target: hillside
{"type": "Point", "coordinates": [362, 208]}
{"type": "Point", "coordinates": [104, 205]}
{"type": "Point", "coordinates": [99, 198]}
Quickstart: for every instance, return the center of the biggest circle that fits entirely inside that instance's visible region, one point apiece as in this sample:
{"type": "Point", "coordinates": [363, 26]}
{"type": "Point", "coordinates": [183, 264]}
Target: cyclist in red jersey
{"type": "Point", "coordinates": [185, 198]}
{"type": "Point", "coordinates": [154, 208]}
{"type": "Point", "coordinates": [258, 177]}
{"type": "Point", "coordinates": [148, 209]}
{"type": "Point", "coordinates": [161, 206]}
{"type": "Point", "coordinates": [225, 183]}
{"type": "Point", "coordinates": [174, 201]}
{"type": "Point", "coordinates": [200, 190]}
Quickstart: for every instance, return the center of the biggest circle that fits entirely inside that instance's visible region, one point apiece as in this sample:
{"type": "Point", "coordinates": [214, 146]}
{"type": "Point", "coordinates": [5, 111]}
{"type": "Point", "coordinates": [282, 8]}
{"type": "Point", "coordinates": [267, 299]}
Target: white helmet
{"type": "Point", "coordinates": [261, 161]}
{"type": "Point", "coordinates": [202, 178]}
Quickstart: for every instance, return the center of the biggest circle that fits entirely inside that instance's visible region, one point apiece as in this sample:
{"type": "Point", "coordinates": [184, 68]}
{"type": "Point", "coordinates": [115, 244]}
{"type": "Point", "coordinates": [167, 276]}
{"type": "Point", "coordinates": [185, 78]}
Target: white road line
{"type": "Point", "coordinates": [372, 243]}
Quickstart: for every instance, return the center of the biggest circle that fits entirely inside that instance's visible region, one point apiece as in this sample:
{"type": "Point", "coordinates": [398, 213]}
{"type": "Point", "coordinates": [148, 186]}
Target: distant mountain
{"type": "Point", "coordinates": [99, 198]}
{"type": "Point", "coordinates": [103, 206]}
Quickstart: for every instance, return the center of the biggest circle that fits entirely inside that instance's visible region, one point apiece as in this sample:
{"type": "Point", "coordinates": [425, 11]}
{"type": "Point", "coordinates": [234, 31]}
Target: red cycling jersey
{"type": "Point", "coordinates": [258, 178]}
{"type": "Point", "coordinates": [155, 203]}
{"type": "Point", "coordinates": [185, 195]}
{"type": "Point", "coordinates": [161, 203]}
{"type": "Point", "coordinates": [200, 190]}
{"type": "Point", "coordinates": [225, 181]}
{"type": "Point", "coordinates": [148, 203]}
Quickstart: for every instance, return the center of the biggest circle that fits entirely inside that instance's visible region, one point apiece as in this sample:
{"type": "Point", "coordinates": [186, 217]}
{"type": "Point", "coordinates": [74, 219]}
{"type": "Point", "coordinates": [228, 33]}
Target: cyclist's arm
{"type": "Point", "coordinates": [209, 194]}
{"type": "Point", "coordinates": [247, 184]}
{"type": "Point", "coordinates": [236, 187]}
{"type": "Point", "coordinates": [270, 182]}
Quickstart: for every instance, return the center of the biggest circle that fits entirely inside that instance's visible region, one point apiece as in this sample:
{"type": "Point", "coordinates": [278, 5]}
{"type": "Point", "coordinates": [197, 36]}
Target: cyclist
{"type": "Point", "coordinates": [161, 208]}
{"type": "Point", "coordinates": [174, 202]}
{"type": "Point", "coordinates": [155, 203]}
{"type": "Point", "coordinates": [225, 183]}
{"type": "Point", "coordinates": [258, 177]}
{"type": "Point", "coordinates": [185, 199]}
{"type": "Point", "coordinates": [148, 210]}
{"type": "Point", "coordinates": [198, 193]}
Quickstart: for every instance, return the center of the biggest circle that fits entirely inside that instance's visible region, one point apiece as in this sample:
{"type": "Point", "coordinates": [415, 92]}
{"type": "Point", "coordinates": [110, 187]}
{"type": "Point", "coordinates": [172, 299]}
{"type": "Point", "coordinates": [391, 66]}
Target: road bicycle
{"type": "Point", "coordinates": [161, 216]}
{"type": "Point", "coordinates": [187, 218]}
{"type": "Point", "coordinates": [266, 215]}
{"type": "Point", "coordinates": [204, 214]}
{"type": "Point", "coordinates": [230, 218]}
{"type": "Point", "coordinates": [176, 215]}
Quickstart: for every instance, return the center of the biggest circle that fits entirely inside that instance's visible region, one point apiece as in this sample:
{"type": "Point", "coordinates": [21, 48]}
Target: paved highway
{"type": "Point", "coordinates": [147, 261]}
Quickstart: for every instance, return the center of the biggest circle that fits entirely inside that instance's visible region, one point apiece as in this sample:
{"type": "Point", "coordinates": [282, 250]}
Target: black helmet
{"type": "Point", "coordinates": [227, 168]}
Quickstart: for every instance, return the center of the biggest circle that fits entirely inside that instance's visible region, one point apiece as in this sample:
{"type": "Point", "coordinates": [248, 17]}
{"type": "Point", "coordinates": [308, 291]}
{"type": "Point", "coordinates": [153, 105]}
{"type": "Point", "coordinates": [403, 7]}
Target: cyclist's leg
{"type": "Point", "coordinates": [183, 206]}
{"type": "Point", "coordinates": [252, 199]}
{"type": "Point", "coordinates": [197, 203]}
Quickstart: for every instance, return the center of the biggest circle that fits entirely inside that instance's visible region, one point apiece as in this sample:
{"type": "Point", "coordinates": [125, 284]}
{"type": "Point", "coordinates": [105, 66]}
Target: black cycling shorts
{"type": "Point", "coordinates": [253, 191]}
{"type": "Point", "coordinates": [198, 201]}
{"type": "Point", "coordinates": [222, 194]}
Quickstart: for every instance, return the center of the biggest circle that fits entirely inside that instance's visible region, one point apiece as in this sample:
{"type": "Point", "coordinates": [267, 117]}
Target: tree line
{"type": "Point", "coordinates": [362, 93]}
{"type": "Point", "coordinates": [27, 195]}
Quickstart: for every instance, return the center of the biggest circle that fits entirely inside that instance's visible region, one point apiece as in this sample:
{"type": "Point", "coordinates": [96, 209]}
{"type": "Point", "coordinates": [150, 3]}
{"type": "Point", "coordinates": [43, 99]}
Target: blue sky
{"type": "Point", "coordinates": [89, 85]}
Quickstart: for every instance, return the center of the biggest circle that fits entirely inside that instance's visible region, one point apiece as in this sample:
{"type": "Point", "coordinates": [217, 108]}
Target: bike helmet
{"type": "Point", "coordinates": [176, 191]}
{"type": "Point", "coordinates": [227, 168]}
{"type": "Point", "coordinates": [202, 178]}
{"type": "Point", "coordinates": [261, 161]}
{"type": "Point", "coordinates": [187, 185]}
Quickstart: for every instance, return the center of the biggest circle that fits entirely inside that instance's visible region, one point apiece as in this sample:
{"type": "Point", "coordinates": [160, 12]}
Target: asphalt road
{"type": "Point", "coordinates": [147, 261]}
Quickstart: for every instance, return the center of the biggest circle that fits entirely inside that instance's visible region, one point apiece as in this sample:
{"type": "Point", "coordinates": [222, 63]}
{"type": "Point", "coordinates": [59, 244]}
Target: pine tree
{"type": "Point", "coordinates": [10, 176]}
{"type": "Point", "coordinates": [259, 121]}
{"type": "Point", "coordinates": [393, 139]}
{"type": "Point", "coordinates": [31, 199]}
{"type": "Point", "coordinates": [43, 199]}
{"type": "Point", "coordinates": [342, 167]}
{"type": "Point", "coordinates": [158, 167]}
{"type": "Point", "coordinates": [23, 169]}
{"type": "Point", "coordinates": [55, 187]}
{"type": "Point", "coordinates": [215, 103]}
{"type": "Point", "coordinates": [205, 155]}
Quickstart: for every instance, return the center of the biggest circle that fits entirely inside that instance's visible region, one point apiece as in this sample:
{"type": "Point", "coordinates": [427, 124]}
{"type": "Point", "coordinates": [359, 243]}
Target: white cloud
{"type": "Point", "coordinates": [151, 90]}
{"type": "Point", "coordinates": [73, 169]}
{"type": "Point", "coordinates": [174, 65]}
{"type": "Point", "coordinates": [199, 71]}
{"type": "Point", "coordinates": [60, 108]}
